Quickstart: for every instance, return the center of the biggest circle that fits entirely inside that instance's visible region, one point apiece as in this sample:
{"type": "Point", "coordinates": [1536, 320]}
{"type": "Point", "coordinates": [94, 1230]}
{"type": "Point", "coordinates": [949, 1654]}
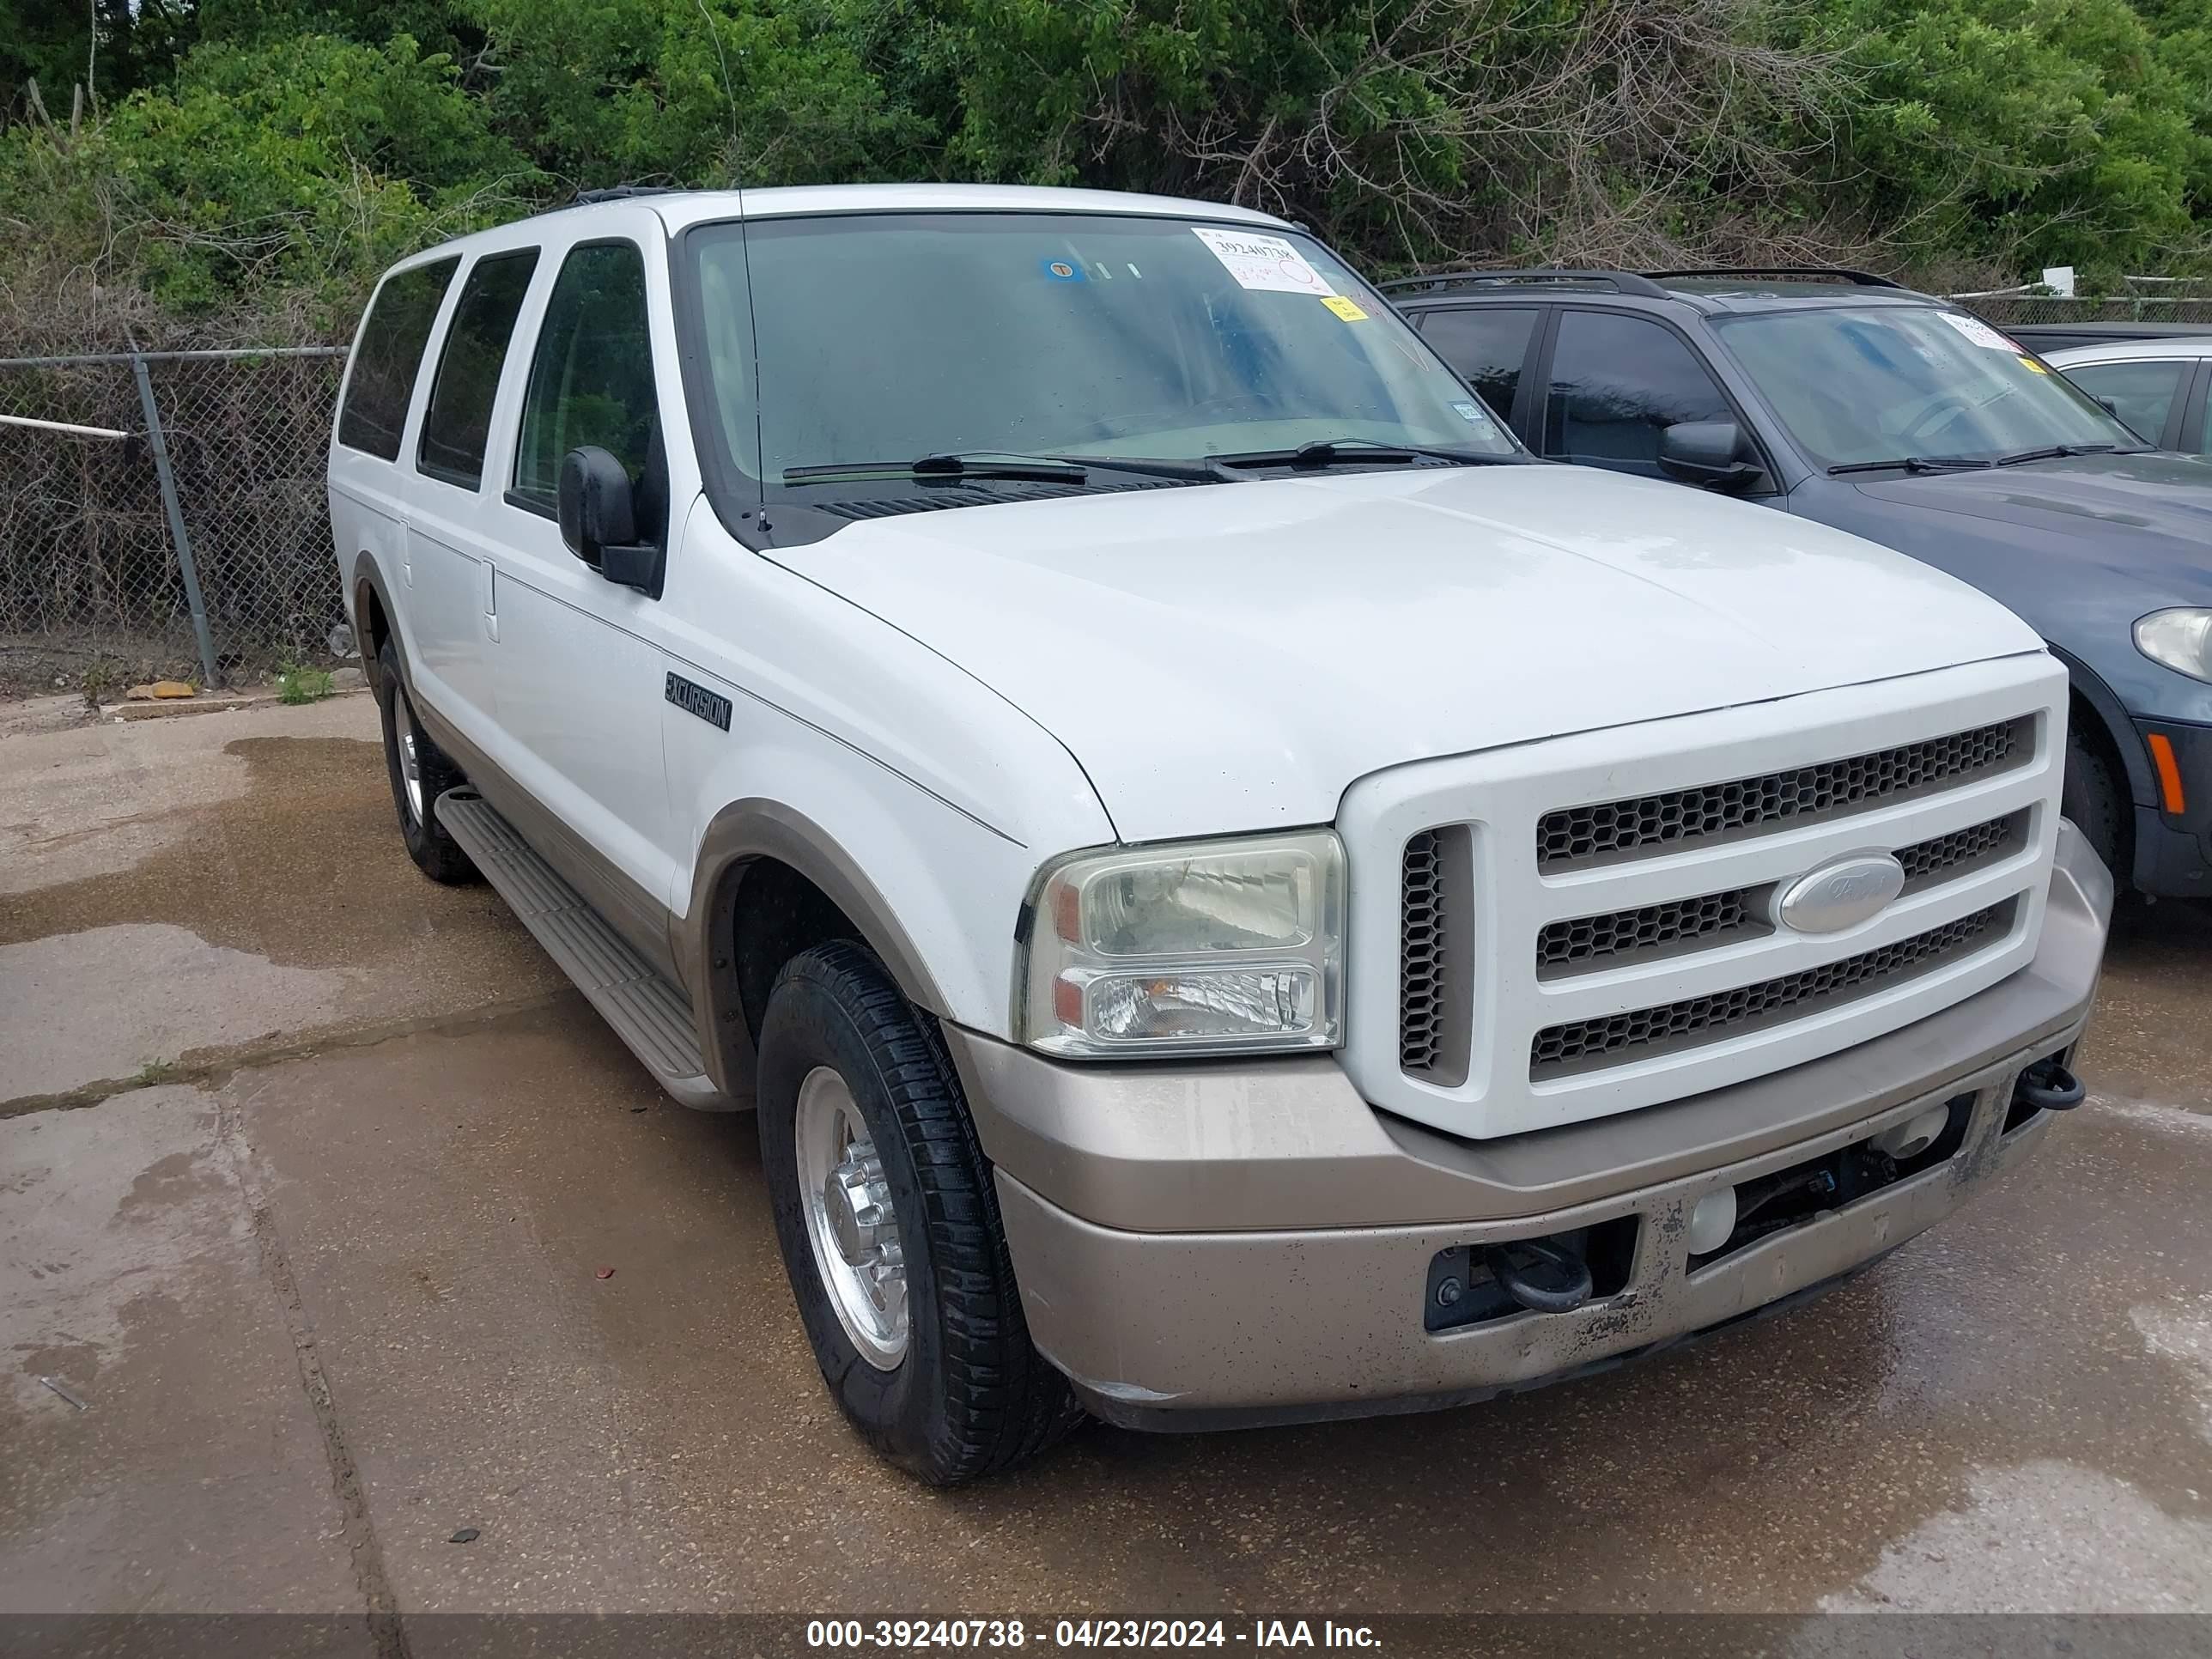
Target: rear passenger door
{"type": "Point", "coordinates": [1614, 381]}
{"type": "Point", "coordinates": [453, 523]}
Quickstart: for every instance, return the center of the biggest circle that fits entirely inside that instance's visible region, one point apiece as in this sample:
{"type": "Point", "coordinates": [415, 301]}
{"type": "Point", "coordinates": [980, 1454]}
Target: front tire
{"type": "Point", "coordinates": [420, 772]}
{"type": "Point", "coordinates": [890, 1227]}
{"type": "Point", "coordinates": [2093, 798]}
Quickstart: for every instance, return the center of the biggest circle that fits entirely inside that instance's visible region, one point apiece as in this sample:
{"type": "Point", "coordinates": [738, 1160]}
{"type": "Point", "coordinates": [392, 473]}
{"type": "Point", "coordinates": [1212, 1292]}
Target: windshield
{"type": "Point", "coordinates": [1879, 383]}
{"type": "Point", "coordinates": [887, 337]}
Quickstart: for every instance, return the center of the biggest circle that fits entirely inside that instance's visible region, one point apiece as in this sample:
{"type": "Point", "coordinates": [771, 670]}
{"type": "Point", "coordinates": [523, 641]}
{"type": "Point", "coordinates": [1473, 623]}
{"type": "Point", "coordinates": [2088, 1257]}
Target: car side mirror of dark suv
{"type": "Point", "coordinates": [598, 520]}
{"type": "Point", "coordinates": [1709, 453]}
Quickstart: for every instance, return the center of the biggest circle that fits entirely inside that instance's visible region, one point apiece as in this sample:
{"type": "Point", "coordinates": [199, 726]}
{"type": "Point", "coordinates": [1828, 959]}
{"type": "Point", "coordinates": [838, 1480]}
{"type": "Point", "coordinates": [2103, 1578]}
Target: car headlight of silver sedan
{"type": "Point", "coordinates": [2180, 638]}
{"type": "Point", "coordinates": [1187, 948]}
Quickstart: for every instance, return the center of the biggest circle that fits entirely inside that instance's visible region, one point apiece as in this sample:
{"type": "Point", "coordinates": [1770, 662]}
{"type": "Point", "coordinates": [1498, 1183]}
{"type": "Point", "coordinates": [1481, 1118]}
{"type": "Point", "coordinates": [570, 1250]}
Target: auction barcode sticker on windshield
{"type": "Point", "coordinates": [1264, 262]}
{"type": "Point", "coordinates": [1979, 332]}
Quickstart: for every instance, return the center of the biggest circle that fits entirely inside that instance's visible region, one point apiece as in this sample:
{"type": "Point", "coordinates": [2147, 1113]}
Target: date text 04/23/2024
{"type": "Point", "coordinates": [986, 1634]}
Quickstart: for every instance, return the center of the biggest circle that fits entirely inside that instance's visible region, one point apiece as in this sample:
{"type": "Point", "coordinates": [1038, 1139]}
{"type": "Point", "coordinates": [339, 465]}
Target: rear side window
{"type": "Point", "coordinates": [458, 420]}
{"type": "Point", "coordinates": [389, 355]}
{"type": "Point", "coordinates": [1485, 346]}
{"type": "Point", "coordinates": [2141, 394]}
{"type": "Point", "coordinates": [1617, 383]}
{"type": "Point", "coordinates": [591, 382]}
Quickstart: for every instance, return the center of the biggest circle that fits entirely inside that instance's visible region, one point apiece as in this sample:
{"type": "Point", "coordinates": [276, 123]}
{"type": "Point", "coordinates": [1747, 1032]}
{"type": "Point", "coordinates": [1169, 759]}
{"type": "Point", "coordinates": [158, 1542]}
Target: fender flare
{"type": "Point", "coordinates": [739, 835]}
{"type": "Point", "coordinates": [368, 577]}
{"type": "Point", "coordinates": [2119, 727]}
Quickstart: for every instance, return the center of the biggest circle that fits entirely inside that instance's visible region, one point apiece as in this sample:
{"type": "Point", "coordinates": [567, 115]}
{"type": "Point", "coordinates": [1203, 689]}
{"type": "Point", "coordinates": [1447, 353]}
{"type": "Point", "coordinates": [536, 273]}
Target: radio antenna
{"type": "Point", "coordinates": [729, 101]}
{"type": "Point", "coordinates": [745, 248]}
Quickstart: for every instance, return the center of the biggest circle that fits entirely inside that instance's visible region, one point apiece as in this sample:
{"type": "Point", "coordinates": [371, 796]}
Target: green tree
{"type": "Point", "coordinates": [298, 168]}
{"type": "Point", "coordinates": [2027, 131]}
{"type": "Point", "coordinates": [697, 92]}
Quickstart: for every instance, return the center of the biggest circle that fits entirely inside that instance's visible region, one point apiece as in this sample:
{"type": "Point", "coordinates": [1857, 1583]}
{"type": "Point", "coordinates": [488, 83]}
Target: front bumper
{"type": "Point", "coordinates": [1227, 1243]}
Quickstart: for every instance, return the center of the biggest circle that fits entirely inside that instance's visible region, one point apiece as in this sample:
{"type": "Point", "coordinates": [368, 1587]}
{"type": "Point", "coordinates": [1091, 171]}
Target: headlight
{"type": "Point", "coordinates": [2181, 638]}
{"type": "Point", "coordinates": [1207, 947]}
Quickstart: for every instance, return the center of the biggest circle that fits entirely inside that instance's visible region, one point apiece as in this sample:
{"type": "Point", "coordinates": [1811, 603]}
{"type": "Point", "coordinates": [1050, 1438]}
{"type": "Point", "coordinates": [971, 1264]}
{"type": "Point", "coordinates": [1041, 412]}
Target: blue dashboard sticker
{"type": "Point", "coordinates": [1060, 271]}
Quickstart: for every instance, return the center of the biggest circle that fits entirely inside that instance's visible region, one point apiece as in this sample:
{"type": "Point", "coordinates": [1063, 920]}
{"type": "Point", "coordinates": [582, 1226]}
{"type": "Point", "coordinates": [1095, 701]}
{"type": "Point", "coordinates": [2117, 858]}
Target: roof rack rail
{"type": "Point", "coordinates": [1839, 273]}
{"type": "Point", "coordinates": [1621, 281]}
{"type": "Point", "coordinates": [623, 193]}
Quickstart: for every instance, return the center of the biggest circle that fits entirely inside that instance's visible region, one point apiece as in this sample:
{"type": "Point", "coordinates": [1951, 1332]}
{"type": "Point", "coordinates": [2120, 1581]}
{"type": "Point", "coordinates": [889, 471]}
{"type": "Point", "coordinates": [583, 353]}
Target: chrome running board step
{"type": "Point", "coordinates": [652, 1017]}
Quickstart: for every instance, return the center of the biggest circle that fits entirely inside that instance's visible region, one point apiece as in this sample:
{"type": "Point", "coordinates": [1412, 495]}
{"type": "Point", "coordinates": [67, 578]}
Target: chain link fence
{"type": "Point", "coordinates": [2143, 299]}
{"type": "Point", "coordinates": [162, 514]}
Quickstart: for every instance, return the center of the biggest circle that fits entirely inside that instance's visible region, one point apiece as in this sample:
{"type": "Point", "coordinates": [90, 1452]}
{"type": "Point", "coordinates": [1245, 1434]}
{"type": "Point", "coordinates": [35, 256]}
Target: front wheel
{"type": "Point", "coordinates": [2094, 798]}
{"type": "Point", "coordinates": [890, 1227]}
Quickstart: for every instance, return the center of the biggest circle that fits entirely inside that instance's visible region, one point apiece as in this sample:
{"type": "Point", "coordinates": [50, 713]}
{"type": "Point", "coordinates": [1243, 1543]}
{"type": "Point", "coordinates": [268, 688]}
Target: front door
{"type": "Point", "coordinates": [579, 674]}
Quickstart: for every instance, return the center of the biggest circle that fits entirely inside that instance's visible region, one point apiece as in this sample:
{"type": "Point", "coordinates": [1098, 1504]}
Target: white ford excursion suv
{"type": "Point", "coordinates": [1236, 895]}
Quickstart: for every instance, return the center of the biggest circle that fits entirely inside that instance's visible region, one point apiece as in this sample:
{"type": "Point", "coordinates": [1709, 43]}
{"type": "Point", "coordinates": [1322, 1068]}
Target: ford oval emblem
{"type": "Point", "coordinates": [1839, 895]}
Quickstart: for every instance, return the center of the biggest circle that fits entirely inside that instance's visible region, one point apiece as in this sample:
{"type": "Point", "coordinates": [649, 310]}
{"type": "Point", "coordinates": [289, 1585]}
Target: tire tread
{"type": "Point", "coordinates": [1004, 1402]}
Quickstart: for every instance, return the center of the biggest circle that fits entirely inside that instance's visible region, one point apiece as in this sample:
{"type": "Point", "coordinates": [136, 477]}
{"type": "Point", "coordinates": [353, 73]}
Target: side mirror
{"type": "Point", "coordinates": [1706, 452]}
{"type": "Point", "coordinates": [598, 520]}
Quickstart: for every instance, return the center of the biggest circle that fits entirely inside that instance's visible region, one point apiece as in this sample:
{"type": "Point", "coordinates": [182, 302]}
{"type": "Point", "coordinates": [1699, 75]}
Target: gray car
{"type": "Point", "coordinates": [1904, 418]}
{"type": "Point", "coordinates": [2157, 385]}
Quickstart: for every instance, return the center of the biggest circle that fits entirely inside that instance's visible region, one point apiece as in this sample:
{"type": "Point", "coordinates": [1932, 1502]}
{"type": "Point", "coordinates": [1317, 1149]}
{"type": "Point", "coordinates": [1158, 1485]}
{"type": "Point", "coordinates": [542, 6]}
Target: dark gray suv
{"type": "Point", "coordinates": [1904, 418]}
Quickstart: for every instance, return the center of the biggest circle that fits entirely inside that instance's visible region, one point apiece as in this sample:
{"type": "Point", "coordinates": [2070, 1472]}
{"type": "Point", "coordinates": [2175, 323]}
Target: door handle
{"type": "Point", "coordinates": [489, 580]}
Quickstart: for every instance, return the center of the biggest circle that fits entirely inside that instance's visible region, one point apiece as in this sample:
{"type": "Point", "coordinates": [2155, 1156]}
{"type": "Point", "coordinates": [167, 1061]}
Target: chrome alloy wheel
{"type": "Point", "coordinates": [410, 763]}
{"type": "Point", "coordinates": [849, 1218]}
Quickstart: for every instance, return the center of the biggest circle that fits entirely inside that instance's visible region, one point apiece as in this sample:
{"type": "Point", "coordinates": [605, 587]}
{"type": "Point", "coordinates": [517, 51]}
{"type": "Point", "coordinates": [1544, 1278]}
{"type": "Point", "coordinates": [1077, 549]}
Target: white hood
{"type": "Point", "coordinates": [1228, 657]}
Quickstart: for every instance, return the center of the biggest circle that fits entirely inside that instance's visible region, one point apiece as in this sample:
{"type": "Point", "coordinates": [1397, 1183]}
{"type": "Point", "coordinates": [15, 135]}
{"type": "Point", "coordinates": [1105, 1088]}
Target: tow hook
{"type": "Point", "coordinates": [1568, 1274]}
{"type": "Point", "coordinates": [2049, 1086]}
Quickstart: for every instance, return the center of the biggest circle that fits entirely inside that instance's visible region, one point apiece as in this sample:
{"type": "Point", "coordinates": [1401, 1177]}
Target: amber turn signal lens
{"type": "Point", "coordinates": [2169, 774]}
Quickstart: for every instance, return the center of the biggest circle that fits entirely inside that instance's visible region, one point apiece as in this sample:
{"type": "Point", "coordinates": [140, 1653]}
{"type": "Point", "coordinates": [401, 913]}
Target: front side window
{"type": "Point", "coordinates": [887, 337]}
{"type": "Point", "coordinates": [1617, 382]}
{"type": "Point", "coordinates": [389, 355]}
{"type": "Point", "coordinates": [1485, 346]}
{"type": "Point", "coordinates": [2140, 393]}
{"type": "Point", "coordinates": [457, 422]}
{"type": "Point", "coordinates": [591, 379]}
{"type": "Point", "coordinates": [1860, 385]}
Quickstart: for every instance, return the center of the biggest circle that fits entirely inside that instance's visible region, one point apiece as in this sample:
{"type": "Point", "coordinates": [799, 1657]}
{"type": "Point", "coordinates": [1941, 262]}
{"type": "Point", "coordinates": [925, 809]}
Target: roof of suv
{"type": "Point", "coordinates": [1704, 291]}
{"type": "Point", "coordinates": [680, 209]}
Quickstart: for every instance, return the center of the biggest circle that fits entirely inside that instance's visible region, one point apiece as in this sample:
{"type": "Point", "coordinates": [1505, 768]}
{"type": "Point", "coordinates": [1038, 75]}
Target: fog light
{"type": "Point", "coordinates": [1915, 1135]}
{"type": "Point", "coordinates": [1712, 1221]}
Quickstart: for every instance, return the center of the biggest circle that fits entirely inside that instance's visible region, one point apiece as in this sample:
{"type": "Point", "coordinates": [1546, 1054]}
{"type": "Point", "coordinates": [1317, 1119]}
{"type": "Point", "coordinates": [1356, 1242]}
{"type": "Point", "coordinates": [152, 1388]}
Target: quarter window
{"type": "Point", "coordinates": [2141, 394]}
{"type": "Point", "coordinates": [591, 381]}
{"type": "Point", "coordinates": [1484, 345]}
{"type": "Point", "coordinates": [1617, 383]}
{"type": "Point", "coordinates": [388, 356]}
{"type": "Point", "coordinates": [458, 422]}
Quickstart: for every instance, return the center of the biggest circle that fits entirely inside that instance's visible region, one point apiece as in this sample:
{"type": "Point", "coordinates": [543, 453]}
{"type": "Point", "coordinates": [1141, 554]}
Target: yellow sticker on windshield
{"type": "Point", "coordinates": [1344, 308]}
{"type": "Point", "coordinates": [2032, 366]}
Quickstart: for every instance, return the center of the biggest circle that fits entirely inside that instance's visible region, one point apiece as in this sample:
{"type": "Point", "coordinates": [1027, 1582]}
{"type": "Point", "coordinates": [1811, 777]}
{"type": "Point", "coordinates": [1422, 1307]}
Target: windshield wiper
{"type": "Point", "coordinates": [1358, 452]}
{"type": "Point", "coordinates": [2060, 451]}
{"type": "Point", "coordinates": [1913, 464]}
{"type": "Point", "coordinates": [1043, 469]}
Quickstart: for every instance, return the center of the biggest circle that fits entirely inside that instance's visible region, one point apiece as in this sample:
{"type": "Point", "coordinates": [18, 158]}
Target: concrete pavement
{"type": "Point", "coordinates": [331, 1295]}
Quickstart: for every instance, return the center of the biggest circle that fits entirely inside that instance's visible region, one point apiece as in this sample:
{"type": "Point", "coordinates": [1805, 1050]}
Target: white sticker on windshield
{"type": "Point", "coordinates": [1264, 262]}
{"type": "Point", "coordinates": [1979, 332]}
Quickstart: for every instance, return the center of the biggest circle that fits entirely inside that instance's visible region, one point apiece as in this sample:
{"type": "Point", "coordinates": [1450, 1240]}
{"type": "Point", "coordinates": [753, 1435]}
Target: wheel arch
{"type": "Point", "coordinates": [769, 882]}
{"type": "Point", "coordinates": [375, 618]}
{"type": "Point", "coordinates": [2115, 729]}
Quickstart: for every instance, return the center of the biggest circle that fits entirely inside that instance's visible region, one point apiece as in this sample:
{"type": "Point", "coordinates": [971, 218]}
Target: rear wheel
{"type": "Point", "coordinates": [2093, 796]}
{"type": "Point", "coordinates": [420, 772]}
{"type": "Point", "coordinates": [890, 1227]}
